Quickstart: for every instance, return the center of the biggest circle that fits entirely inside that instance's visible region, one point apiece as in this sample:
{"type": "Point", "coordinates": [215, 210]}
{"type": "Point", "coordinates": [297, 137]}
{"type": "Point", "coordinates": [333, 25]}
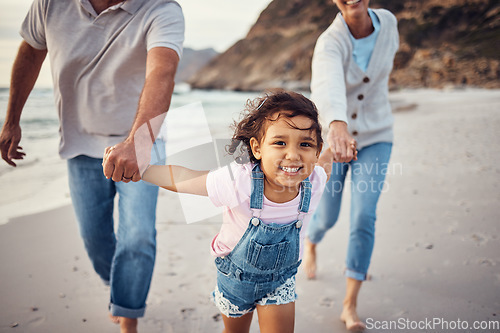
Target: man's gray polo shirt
{"type": "Point", "coordinates": [98, 63]}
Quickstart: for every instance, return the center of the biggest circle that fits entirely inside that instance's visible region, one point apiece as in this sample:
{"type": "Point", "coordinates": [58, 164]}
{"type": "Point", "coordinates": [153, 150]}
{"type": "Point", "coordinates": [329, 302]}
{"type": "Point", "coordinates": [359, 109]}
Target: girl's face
{"type": "Point", "coordinates": [287, 155]}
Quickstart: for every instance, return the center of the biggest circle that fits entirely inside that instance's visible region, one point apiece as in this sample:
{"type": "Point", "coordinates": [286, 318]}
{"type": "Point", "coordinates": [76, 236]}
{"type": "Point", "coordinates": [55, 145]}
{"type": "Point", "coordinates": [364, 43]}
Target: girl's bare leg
{"type": "Point", "coordinates": [237, 325]}
{"type": "Point", "coordinates": [349, 314]}
{"type": "Point", "coordinates": [276, 318]}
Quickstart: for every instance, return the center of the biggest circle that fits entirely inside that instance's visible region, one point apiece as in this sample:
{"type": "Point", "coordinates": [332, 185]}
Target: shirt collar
{"type": "Point", "coordinates": [130, 6]}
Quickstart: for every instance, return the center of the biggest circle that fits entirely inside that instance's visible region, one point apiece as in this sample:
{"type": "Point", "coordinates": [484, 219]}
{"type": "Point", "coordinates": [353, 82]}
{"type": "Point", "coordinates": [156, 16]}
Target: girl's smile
{"type": "Point", "coordinates": [287, 153]}
{"type": "Point", "coordinates": [290, 170]}
{"type": "Point", "coordinates": [352, 2]}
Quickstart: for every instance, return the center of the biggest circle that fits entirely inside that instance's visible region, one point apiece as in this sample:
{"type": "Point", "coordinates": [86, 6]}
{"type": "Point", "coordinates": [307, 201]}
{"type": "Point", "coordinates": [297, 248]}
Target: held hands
{"type": "Point", "coordinates": [342, 144]}
{"type": "Point", "coordinates": [327, 158]}
{"type": "Point", "coordinates": [120, 164]}
{"type": "Point", "coordinates": [9, 144]}
{"type": "Point", "coordinates": [128, 160]}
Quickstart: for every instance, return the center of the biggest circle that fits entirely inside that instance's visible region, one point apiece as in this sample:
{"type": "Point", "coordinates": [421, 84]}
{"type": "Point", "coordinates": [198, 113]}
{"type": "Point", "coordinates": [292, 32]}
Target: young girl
{"type": "Point", "coordinates": [268, 200]}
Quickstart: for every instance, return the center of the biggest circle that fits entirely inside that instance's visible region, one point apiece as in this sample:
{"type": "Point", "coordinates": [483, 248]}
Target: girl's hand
{"type": "Point", "coordinates": [354, 150]}
{"type": "Point", "coordinates": [326, 161]}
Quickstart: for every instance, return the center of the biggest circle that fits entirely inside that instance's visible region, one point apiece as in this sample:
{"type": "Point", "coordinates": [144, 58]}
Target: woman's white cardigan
{"type": "Point", "coordinates": [342, 91]}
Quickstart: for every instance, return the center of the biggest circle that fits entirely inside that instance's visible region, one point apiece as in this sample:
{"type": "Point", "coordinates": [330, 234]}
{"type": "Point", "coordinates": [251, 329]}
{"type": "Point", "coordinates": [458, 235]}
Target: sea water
{"type": "Point", "coordinates": [39, 182]}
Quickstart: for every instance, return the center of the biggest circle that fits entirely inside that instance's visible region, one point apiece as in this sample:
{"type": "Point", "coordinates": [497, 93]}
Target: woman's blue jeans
{"type": "Point", "coordinates": [367, 182]}
{"type": "Point", "coordinates": [124, 258]}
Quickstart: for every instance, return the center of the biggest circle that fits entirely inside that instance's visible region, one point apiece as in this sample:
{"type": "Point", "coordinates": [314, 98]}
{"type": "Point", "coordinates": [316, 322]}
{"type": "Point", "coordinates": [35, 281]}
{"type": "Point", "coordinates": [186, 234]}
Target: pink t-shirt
{"type": "Point", "coordinates": [230, 187]}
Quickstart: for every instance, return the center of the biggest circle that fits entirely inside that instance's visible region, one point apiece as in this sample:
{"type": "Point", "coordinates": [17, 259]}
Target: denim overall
{"type": "Point", "coordinates": [266, 255]}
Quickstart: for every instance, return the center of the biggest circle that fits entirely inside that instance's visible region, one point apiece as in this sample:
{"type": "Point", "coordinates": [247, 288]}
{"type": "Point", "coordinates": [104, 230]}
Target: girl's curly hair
{"type": "Point", "coordinates": [257, 114]}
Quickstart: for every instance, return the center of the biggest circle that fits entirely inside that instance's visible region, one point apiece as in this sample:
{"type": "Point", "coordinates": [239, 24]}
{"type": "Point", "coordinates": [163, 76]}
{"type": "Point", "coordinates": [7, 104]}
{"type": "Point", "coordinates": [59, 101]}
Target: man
{"type": "Point", "coordinates": [113, 65]}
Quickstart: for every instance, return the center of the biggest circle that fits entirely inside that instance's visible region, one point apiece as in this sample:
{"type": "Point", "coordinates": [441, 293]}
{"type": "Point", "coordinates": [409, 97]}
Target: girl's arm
{"type": "Point", "coordinates": [178, 179]}
{"type": "Point", "coordinates": [326, 162]}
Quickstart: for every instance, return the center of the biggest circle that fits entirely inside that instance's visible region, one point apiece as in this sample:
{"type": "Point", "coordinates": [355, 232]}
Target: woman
{"type": "Point", "coordinates": [350, 72]}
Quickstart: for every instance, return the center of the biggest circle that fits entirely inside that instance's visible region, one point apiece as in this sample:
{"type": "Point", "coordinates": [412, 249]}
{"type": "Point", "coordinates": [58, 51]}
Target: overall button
{"type": "Point", "coordinates": [255, 221]}
{"type": "Point", "coordinates": [298, 224]}
{"type": "Point", "coordinates": [360, 97]}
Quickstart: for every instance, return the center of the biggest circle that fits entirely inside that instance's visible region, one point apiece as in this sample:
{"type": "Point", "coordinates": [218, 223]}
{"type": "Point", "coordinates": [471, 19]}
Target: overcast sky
{"type": "Point", "coordinates": [209, 23]}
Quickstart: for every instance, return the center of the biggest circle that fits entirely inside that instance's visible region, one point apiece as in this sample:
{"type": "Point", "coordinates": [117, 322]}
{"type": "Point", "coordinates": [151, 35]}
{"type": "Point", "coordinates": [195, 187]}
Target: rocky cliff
{"type": "Point", "coordinates": [443, 42]}
{"type": "Point", "coordinates": [192, 61]}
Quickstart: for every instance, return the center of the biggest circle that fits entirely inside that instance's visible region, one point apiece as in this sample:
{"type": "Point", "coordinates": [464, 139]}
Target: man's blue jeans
{"type": "Point", "coordinates": [367, 181]}
{"type": "Point", "coordinates": [124, 258]}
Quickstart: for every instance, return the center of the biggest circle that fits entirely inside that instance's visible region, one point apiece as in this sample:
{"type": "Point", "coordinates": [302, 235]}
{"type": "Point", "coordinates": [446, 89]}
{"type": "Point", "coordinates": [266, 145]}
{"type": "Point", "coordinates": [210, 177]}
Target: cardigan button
{"type": "Point", "coordinates": [366, 79]}
{"type": "Point", "coordinates": [360, 97]}
{"type": "Point", "coordinates": [255, 221]}
{"type": "Point", "coordinates": [355, 133]}
{"type": "Point", "coordinates": [354, 116]}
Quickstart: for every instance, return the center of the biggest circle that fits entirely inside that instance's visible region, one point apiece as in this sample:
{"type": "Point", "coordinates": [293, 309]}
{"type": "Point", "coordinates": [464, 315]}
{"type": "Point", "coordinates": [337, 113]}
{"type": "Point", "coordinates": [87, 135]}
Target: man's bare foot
{"type": "Point", "coordinates": [350, 317]}
{"type": "Point", "coordinates": [309, 259]}
{"type": "Point", "coordinates": [128, 325]}
{"type": "Point", "coordinates": [114, 319]}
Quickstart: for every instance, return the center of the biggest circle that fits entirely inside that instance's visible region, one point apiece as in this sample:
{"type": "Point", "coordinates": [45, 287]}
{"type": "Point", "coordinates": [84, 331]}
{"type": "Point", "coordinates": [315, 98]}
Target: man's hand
{"type": "Point", "coordinates": [24, 74]}
{"type": "Point", "coordinates": [120, 163]}
{"type": "Point", "coordinates": [342, 144]}
{"type": "Point", "coordinates": [9, 144]}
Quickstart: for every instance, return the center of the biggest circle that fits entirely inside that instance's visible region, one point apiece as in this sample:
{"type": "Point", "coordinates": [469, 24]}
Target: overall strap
{"type": "Point", "coordinates": [305, 198]}
{"type": "Point", "coordinates": [257, 197]}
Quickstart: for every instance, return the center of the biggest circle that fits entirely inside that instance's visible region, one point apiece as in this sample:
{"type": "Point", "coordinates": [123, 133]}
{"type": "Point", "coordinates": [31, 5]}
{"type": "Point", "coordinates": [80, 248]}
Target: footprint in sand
{"type": "Point", "coordinates": [184, 286]}
{"type": "Point", "coordinates": [187, 312]}
{"type": "Point", "coordinates": [479, 239]}
{"type": "Point", "coordinates": [36, 321]}
{"type": "Point", "coordinates": [401, 314]}
{"type": "Point", "coordinates": [327, 302]}
{"type": "Point", "coordinates": [486, 262]}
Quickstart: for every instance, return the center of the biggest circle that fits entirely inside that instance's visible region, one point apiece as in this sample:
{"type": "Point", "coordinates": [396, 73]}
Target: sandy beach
{"type": "Point", "coordinates": [437, 251]}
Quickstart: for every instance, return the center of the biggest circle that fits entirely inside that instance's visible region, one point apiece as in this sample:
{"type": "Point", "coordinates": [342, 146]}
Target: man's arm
{"type": "Point", "coordinates": [25, 71]}
{"type": "Point", "coordinates": [124, 161]}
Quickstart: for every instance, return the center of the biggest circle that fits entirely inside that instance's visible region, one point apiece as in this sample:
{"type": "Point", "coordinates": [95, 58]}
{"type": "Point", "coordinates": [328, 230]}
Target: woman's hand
{"type": "Point", "coordinates": [342, 144]}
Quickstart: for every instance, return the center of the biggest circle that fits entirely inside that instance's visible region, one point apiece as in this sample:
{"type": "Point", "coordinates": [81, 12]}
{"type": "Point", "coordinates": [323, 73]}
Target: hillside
{"type": "Point", "coordinates": [192, 61]}
{"type": "Point", "coordinates": [446, 42]}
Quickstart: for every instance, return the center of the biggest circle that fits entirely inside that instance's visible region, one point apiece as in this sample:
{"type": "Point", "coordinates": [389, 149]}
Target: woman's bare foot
{"type": "Point", "coordinates": [309, 259]}
{"type": "Point", "coordinates": [350, 317]}
{"type": "Point", "coordinates": [114, 319]}
{"type": "Point", "coordinates": [128, 325]}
